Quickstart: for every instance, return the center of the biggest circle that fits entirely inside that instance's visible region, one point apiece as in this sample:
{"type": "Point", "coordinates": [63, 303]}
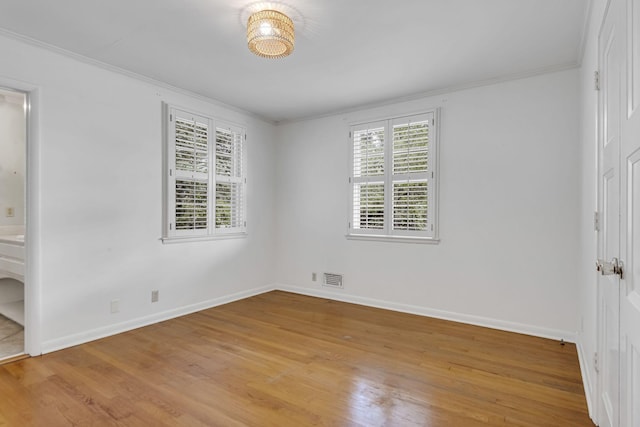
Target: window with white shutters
{"type": "Point", "coordinates": [229, 179]}
{"type": "Point", "coordinates": [368, 177]}
{"type": "Point", "coordinates": [393, 178]}
{"type": "Point", "coordinates": [205, 186]}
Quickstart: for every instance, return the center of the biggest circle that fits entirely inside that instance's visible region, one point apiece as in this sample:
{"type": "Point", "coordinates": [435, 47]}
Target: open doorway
{"type": "Point", "coordinates": [13, 142]}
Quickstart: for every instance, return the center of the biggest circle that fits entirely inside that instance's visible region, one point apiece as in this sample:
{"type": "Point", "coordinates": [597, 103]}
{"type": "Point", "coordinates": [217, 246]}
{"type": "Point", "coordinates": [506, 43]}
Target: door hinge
{"type": "Point", "coordinates": [170, 226]}
{"type": "Point", "coordinates": [595, 362]}
{"type": "Point", "coordinates": [596, 80]}
{"type": "Point", "coordinates": [349, 134]}
{"type": "Point", "coordinates": [596, 221]}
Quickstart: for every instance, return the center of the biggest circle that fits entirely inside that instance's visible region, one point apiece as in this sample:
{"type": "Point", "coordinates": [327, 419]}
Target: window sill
{"type": "Point", "coordinates": [396, 239]}
{"type": "Point", "coordinates": [172, 240]}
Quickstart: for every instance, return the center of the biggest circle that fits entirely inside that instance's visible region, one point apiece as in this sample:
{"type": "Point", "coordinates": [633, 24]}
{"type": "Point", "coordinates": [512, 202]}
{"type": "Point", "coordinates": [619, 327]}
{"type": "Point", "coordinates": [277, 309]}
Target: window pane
{"type": "Point", "coordinates": [411, 147]}
{"type": "Point", "coordinates": [410, 203]}
{"type": "Point", "coordinates": [229, 205]}
{"type": "Point", "coordinates": [191, 205]}
{"type": "Point", "coordinates": [191, 146]}
{"type": "Point", "coordinates": [228, 153]}
{"type": "Point", "coordinates": [368, 152]}
{"type": "Point", "coordinates": [368, 206]}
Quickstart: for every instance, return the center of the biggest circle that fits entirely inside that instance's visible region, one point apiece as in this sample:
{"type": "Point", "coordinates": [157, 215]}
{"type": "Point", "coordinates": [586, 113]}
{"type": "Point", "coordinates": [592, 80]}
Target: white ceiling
{"type": "Point", "coordinates": [348, 53]}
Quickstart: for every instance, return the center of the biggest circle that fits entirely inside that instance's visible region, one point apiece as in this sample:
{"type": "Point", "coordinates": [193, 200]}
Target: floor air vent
{"type": "Point", "coordinates": [332, 280]}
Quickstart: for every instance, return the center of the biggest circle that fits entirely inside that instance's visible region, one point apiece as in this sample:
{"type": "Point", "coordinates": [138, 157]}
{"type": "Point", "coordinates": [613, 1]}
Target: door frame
{"type": "Point", "coordinates": [32, 277]}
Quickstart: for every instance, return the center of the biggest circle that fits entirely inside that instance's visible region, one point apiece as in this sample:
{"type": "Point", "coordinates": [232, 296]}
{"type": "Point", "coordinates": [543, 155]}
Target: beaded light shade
{"type": "Point", "coordinates": [270, 34]}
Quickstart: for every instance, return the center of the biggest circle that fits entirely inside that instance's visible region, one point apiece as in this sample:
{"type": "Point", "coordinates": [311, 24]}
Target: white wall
{"type": "Point", "coordinates": [12, 159]}
{"type": "Point", "coordinates": [508, 206]}
{"type": "Point", "coordinates": [587, 297]}
{"type": "Point", "coordinates": [100, 193]}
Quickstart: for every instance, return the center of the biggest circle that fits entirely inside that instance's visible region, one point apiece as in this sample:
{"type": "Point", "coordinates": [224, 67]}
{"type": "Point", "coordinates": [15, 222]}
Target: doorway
{"type": "Point", "coordinates": [13, 149]}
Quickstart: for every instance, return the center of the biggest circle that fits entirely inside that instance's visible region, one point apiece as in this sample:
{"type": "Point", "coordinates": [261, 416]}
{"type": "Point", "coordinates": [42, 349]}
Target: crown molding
{"type": "Point", "coordinates": [441, 91]}
{"type": "Point", "coordinates": [140, 77]}
{"type": "Point", "coordinates": [390, 101]}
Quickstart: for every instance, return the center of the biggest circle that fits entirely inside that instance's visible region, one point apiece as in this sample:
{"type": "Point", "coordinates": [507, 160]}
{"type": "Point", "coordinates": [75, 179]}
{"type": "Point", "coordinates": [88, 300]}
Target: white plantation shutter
{"type": "Point", "coordinates": [392, 183]}
{"type": "Point", "coordinates": [205, 181]}
{"type": "Point", "coordinates": [411, 174]}
{"type": "Point", "coordinates": [411, 145]}
{"type": "Point", "coordinates": [410, 203]}
{"type": "Point", "coordinates": [368, 186]}
{"type": "Point", "coordinates": [230, 179]}
{"type": "Point", "coordinates": [191, 143]}
{"type": "Point", "coordinates": [191, 205]}
{"type": "Point", "coordinates": [189, 166]}
{"type": "Point", "coordinates": [368, 206]}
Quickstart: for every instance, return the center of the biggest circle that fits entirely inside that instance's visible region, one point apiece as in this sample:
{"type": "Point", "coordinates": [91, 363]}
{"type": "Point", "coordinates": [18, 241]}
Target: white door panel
{"type": "Point", "coordinates": [619, 204]}
{"type": "Point", "coordinates": [610, 57]}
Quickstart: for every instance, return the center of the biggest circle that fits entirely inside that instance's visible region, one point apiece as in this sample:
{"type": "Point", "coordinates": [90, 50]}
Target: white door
{"type": "Point", "coordinates": [610, 57]}
{"type": "Point", "coordinates": [630, 222]}
{"type": "Point", "coordinates": [619, 204]}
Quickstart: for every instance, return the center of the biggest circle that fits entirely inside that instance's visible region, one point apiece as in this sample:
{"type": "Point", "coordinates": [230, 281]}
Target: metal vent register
{"type": "Point", "coordinates": [332, 280]}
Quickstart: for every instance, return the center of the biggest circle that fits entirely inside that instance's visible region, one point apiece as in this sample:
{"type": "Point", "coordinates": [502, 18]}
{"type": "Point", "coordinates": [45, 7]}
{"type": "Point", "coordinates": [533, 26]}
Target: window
{"type": "Point", "coordinates": [393, 182]}
{"type": "Point", "coordinates": [205, 177]}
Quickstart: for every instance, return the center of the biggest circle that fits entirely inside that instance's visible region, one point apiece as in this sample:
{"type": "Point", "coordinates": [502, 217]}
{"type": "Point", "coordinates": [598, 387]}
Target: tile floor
{"type": "Point", "coordinates": [11, 338]}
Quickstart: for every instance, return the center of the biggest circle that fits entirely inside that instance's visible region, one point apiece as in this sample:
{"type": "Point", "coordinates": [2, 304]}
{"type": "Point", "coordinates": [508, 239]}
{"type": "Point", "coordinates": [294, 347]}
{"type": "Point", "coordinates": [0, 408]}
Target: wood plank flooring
{"type": "Point", "coordinates": [280, 359]}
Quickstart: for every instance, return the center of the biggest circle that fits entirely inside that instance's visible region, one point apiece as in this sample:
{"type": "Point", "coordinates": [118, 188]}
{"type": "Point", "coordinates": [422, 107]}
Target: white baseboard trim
{"type": "Point", "coordinates": [555, 334]}
{"type": "Point", "coordinates": [586, 379]}
{"type": "Point", "coordinates": [94, 334]}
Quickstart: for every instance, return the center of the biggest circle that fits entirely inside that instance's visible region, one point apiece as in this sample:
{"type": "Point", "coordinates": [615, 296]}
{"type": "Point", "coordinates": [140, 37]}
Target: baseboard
{"type": "Point", "coordinates": [586, 379]}
{"type": "Point", "coordinates": [555, 334]}
{"type": "Point", "coordinates": [94, 334]}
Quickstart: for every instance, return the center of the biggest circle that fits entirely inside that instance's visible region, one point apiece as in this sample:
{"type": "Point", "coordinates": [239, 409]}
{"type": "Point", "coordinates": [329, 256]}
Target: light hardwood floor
{"type": "Point", "coordinates": [280, 359]}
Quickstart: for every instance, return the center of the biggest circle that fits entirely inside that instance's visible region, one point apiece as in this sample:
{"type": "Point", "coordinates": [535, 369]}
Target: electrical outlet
{"type": "Point", "coordinates": [11, 212]}
{"type": "Point", "coordinates": [155, 295]}
{"type": "Point", "coordinates": [115, 306]}
{"type": "Point", "coordinates": [314, 277]}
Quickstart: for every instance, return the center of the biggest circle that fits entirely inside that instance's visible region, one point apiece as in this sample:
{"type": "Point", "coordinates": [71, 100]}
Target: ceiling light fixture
{"type": "Point", "coordinates": [270, 34]}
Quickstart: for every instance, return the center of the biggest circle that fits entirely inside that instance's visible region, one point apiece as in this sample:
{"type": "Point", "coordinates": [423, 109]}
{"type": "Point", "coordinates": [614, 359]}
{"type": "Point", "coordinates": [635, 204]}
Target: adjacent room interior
{"type": "Point", "coordinates": [13, 150]}
{"type": "Point", "coordinates": [312, 213]}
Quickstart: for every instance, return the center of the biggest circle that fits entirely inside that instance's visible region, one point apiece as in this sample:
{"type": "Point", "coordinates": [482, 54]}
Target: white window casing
{"type": "Point", "coordinates": [205, 177]}
{"type": "Point", "coordinates": [393, 185]}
